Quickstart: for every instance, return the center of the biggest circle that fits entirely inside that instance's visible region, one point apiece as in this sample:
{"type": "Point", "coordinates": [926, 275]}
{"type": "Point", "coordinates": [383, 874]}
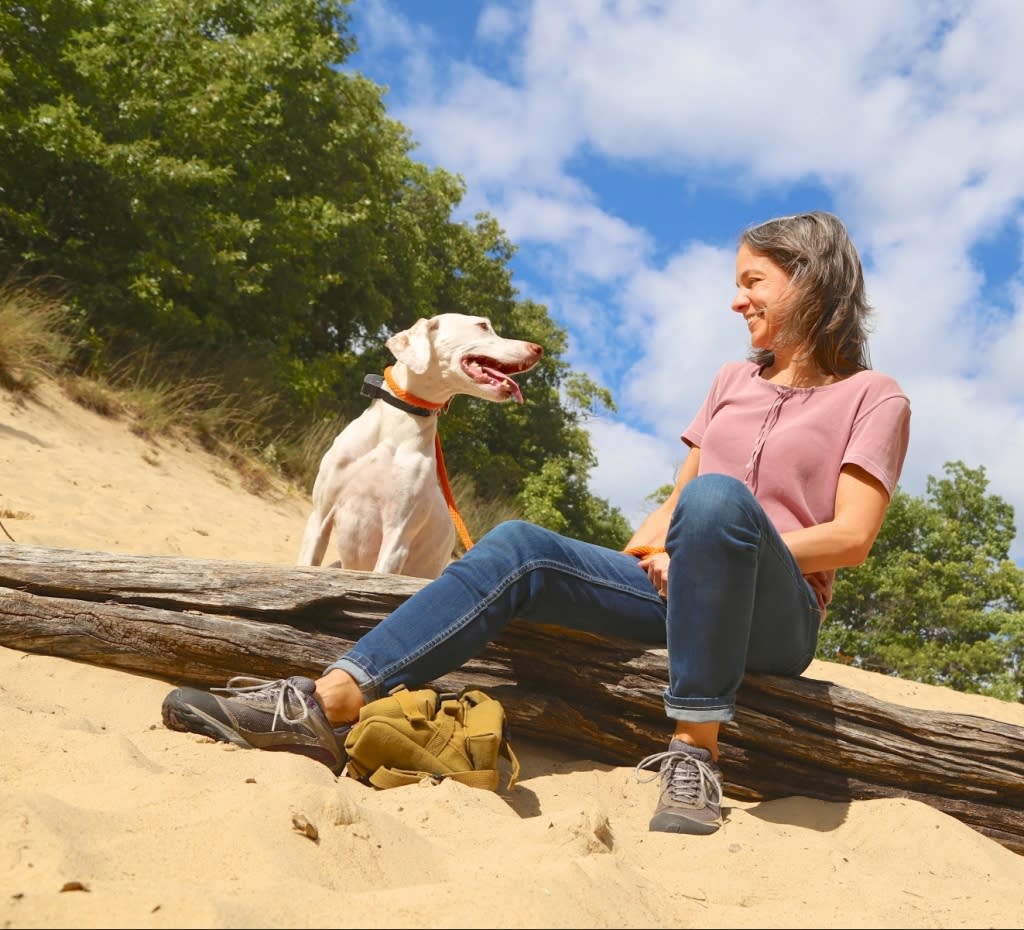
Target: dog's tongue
{"type": "Point", "coordinates": [500, 376]}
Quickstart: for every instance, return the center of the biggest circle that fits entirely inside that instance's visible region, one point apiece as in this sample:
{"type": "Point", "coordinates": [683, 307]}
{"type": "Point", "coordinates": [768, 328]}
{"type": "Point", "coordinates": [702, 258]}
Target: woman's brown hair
{"type": "Point", "coordinates": [829, 312]}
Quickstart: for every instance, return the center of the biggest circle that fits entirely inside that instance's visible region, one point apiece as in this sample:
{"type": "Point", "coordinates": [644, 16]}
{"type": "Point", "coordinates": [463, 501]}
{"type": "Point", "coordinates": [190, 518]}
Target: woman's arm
{"type": "Point", "coordinates": [846, 539]}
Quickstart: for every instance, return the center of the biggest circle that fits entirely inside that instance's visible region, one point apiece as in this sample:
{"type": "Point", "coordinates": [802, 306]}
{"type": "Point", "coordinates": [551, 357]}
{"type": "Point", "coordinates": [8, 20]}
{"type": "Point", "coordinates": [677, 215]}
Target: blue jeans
{"type": "Point", "coordinates": [736, 601]}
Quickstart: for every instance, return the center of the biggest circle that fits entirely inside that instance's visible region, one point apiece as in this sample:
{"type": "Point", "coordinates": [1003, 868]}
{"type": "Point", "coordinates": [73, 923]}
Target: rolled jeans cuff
{"type": "Point", "coordinates": [699, 710]}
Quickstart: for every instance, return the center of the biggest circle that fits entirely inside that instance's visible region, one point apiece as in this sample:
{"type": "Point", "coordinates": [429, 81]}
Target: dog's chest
{"type": "Point", "coordinates": [379, 450]}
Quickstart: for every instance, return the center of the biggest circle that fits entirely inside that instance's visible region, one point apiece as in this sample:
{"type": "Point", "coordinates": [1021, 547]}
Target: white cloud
{"type": "Point", "coordinates": [633, 465]}
{"type": "Point", "coordinates": [1006, 372]}
{"type": "Point", "coordinates": [599, 247]}
{"type": "Point", "coordinates": [497, 23]}
{"type": "Point", "coordinates": [680, 319]}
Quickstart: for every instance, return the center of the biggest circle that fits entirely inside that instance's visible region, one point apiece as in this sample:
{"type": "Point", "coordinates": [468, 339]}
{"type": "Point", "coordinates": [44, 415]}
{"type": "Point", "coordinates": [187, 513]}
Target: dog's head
{"type": "Point", "coordinates": [453, 353]}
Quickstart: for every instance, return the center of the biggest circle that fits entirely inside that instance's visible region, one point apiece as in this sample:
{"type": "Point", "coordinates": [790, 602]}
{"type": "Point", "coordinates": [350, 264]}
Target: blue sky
{"type": "Point", "coordinates": [624, 144]}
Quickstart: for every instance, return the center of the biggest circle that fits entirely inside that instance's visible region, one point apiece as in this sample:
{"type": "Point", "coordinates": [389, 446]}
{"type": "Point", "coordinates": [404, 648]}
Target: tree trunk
{"type": "Point", "coordinates": [197, 621]}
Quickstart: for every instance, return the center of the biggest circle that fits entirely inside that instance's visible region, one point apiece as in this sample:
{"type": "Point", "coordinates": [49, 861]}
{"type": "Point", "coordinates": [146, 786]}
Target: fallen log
{"type": "Point", "coordinates": [197, 621]}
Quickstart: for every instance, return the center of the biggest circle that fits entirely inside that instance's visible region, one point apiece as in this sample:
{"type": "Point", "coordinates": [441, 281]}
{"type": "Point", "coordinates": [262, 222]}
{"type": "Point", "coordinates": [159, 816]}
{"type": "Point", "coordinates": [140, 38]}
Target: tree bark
{"type": "Point", "coordinates": [200, 622]}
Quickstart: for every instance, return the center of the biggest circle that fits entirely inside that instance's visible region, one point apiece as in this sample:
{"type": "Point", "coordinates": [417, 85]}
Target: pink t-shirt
{"type": "Point", "coordinates": [788, 444]}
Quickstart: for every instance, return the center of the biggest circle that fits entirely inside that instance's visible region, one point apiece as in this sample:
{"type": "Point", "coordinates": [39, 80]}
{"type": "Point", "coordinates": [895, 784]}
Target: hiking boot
{"type": "Point", "coordinates": [254, 713]}
{"type": "Point", "coordinates": [691, 790]}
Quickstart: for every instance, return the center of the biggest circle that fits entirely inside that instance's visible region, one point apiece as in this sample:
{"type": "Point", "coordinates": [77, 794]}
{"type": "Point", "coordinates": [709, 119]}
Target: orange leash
{"type": "Point", "coordinates": [442, 472]}
{"type": "Point", "coordinates": [442, 476]}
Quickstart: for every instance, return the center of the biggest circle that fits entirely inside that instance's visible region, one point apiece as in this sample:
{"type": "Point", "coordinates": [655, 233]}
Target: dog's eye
{"type": "Point", "coordinates": [485, 326]}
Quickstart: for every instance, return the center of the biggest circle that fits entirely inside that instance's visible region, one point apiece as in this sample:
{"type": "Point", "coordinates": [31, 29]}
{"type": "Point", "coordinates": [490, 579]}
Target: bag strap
{"type": "Point", "coordinates": [479, 697]}
{"type": "Point", "coordinates": [407, 701]}
{"type": "Point", "coordinates": [506, 751]}
{"type": "Point", "coordinates": [395, 778]}
{"type": "Point", "coordinates": [477, 778]}
{"type": "Point", "coordinates": [444, 721]}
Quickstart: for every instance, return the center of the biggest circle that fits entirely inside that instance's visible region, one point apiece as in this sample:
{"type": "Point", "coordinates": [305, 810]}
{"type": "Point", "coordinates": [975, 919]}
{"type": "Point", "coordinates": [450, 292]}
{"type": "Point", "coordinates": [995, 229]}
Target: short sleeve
{"type": "Point", "coordinates": [693, 435]}
{"type": "Point", "coordinates": [880, 438]}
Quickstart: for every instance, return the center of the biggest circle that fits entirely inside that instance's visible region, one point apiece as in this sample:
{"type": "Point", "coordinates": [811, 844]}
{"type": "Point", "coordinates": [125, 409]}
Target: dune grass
{"type": "Point", "coordinates": [161, 398]}
{"type": "Point", "coordinates": [37, 342]}
{"type": "Point", "coordinates": [33, 343]}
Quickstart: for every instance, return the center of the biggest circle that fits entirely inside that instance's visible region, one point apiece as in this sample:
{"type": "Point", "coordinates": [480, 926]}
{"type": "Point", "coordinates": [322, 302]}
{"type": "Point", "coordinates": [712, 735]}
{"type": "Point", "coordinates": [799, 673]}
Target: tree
{"type": "Point", "coordinates": [213, 189]}
{"type": "Point", "coordinates": [195, 167]}
{"type": "Point", "coordinates": [938, 600]}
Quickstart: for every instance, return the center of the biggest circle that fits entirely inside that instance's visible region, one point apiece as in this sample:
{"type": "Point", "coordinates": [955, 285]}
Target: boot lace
{"type": "Point", "coordinates": [689, 780]}
{"type": "Point", "coordinates": [261, 691]}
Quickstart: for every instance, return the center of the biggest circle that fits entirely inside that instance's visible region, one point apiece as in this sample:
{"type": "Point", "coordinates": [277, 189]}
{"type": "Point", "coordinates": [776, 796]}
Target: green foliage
{"type": "Point", "coordinates": [221, 197]}
{"type": "Point", "coordinates": [194, 167]}
{"type": "Point", "coordinates": [938, 600]}
{"type": "Point", "coordinates": [660, 495]}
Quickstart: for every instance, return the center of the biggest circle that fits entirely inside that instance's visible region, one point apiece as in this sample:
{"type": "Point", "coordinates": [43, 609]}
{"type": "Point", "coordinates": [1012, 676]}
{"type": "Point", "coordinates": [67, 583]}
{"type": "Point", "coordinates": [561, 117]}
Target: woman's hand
{"type": "Point", "coordinates": [648, 542]}
{"type": "Point", "coordinates": [656, 566]}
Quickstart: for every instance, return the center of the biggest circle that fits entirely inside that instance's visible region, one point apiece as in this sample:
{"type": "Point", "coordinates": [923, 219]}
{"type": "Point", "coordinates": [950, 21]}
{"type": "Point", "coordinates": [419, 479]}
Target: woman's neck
{"type": "Point", "coordinates": [796, 371]}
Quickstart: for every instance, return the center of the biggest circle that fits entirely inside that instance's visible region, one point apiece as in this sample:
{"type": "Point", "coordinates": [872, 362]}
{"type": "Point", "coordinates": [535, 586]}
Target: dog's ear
{"type": "Point", "coordinates": [413, 346]}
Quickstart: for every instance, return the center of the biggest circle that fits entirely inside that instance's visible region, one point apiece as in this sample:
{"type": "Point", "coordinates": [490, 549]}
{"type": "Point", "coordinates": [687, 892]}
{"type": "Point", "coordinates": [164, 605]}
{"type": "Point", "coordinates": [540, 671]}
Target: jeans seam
{"type": "Point", "coordinates": [813, 609]}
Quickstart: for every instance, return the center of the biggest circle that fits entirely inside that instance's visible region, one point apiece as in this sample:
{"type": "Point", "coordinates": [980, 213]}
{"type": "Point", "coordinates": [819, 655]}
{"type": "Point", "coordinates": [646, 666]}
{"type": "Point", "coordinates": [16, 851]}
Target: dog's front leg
{"type": "Point", "coordinates": [420, 543]}
{"type": "Point", "coordinates": [315, 539]}
{"type": "Point", "coordinates": [393, 556]}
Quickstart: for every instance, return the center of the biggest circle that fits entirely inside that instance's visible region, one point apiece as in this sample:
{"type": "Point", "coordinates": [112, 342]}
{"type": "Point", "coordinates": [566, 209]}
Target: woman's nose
{"type": "Point", "coordinates": [740, 301]}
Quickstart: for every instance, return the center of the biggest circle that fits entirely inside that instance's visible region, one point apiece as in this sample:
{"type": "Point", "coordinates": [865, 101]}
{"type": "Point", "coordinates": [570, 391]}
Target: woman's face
{"type": "Point", "coordinates": [761, 296]}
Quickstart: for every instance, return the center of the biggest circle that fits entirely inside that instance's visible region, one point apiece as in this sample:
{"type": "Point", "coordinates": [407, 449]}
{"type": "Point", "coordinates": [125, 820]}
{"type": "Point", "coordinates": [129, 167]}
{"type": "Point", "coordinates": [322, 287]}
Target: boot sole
{"type": "Point", "coordinates": [676, 823]}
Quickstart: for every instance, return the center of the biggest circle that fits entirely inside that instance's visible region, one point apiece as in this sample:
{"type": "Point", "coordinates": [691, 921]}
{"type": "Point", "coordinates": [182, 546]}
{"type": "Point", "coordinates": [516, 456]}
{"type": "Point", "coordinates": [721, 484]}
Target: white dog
{"type": "Point", "coordinates": [378, 487]}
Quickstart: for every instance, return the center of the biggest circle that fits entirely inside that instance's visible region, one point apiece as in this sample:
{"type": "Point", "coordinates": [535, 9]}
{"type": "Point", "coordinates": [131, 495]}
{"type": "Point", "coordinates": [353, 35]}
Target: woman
{"type": "Point", "coordinates": [792, 461]}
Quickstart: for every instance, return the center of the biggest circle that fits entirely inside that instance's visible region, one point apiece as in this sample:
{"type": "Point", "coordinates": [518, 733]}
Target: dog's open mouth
{"type": "Point", "coordinates": [498, 375]}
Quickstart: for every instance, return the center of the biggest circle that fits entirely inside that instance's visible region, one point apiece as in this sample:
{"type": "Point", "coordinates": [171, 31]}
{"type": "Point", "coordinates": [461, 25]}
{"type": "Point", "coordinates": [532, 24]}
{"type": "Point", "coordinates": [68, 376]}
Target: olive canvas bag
{"type": "Point", "coordinates": [411, 736]}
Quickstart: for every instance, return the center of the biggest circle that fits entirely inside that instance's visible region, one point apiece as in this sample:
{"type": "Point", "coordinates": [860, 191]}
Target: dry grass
{"type": "Point", "coordinates": [199, 409]}
{"type": "Point", "coordinates": [479, 515]}
{"type": "Point", "coordinates": [33, 344]}
{"type": "Point", "coordinates": [94, 395]}
{"type": "Point", "coordinates": [153, 398]}
{"type": "Point", "coordinates": [301, 458]}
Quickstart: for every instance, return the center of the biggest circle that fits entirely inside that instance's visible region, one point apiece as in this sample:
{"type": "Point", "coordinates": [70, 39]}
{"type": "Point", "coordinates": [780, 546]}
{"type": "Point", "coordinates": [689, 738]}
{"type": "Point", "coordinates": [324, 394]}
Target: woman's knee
{"type": "Point", "coordinates": [713, 501]}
